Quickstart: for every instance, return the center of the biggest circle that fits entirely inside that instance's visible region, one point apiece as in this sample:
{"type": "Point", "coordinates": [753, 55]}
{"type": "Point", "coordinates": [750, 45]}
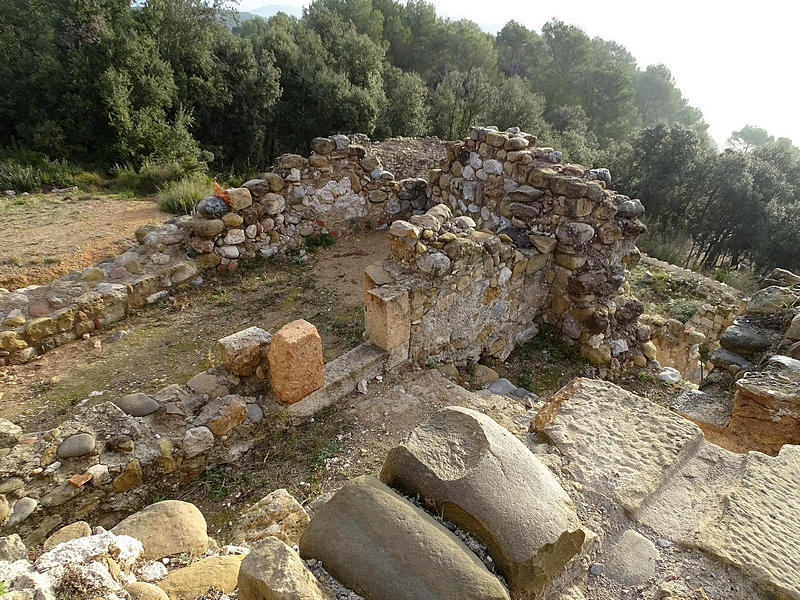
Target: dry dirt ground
{"type": "Point", "coordinates": [172, 340]}
{"type": "Point", "coordinates": [45, 236]}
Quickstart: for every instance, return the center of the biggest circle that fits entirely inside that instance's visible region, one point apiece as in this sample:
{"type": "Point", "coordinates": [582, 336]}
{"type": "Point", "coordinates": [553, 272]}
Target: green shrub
{"type": "Point", "coordinates": [88, 181]}
{"type": "Point", "coordinates": [30, 177]}
{"type": "Point", "coordinates": [682, 309]}
{"type": "Point", "coordinates": [180, 197]}
{"type": "Point", "coordinates": [149, 178]}
{"type": "Point", "coordinates": [323, 240]}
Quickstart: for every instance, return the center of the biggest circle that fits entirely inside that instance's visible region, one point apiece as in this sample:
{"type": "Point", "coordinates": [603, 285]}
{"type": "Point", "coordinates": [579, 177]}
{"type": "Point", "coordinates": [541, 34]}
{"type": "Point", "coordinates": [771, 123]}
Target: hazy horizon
{"type": "Point", "coordinates": [734, 81]}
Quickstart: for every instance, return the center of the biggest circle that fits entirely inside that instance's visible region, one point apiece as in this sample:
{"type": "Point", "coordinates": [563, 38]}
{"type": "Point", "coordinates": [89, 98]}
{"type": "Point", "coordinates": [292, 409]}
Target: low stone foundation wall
{"type": "Point", "coordinates": [114, 457]}
{"type": "Point", "coordinates": [338, 189]}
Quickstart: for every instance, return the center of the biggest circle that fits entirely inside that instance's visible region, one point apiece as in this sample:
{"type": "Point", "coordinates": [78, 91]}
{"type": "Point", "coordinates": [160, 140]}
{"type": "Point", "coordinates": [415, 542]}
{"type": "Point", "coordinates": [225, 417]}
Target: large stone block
{"type": "Point", "coordinates": [272, 571]}
{"type": "Point", "coordinates": [388, 316]}
{"type": "Point", "coordinates": [475, 473]}
{"type": "Point", "coordinates": [381, 546]}
{"type": "Point", "coordinates": [295, 361]}
{"type": "Point", "coordinates": [166, 528]}
{"type": "Point", "coordinates": [241, 352]}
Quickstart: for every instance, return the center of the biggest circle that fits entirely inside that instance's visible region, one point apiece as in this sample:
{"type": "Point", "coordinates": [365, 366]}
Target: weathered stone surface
{"type": "Point", "coordinates": [212, 207]}
{"type": "Point", "coordinates": [12, 548]}
{"type": "Point", "coordinates": [146, 591]}
{"type": "Point", "coordinates": [11, 341]}
{"type": "Point", "coordinates": [744, 339]}
{"type": "Point", "coordinates": [137, 404]}
{"type": "Point", "coordinates": [758, 528]}
{"type": "Point", "coordinates": [240, 197]}
{"type": "Point", "coordinates": [166, 528]}
{"type": "Point", "coordinates": [197, 440]}
{"type": "Point", "coordinates": [766, 407]}
{"type": "Point", "coordinates": [130, 477]}
{"type": "Point", "coordinates": [642, 441]}
{"type": "Point", "coordinates": [241, 352]}
{"type": "Point", "coordinates": [273, 571]}
{"type": "Point", "coordinates": [632, 560]}
{"type": "Point", "coordinates": [479, 476]}
{"type": "Point", "coordinates": [277, 514]}
{"type": "Point", "coordinates": [387, 316]}
{"type": "Point", "coordinates": [23, 508]}
{"type": "Point", "coordinates": [771, 300]}
{"type": "Point", "coordinates": [295, 361]}
{"type": "Point", "coordinates": [194, 581]}
{"type": "Point", "coordinates": [10, 433]}
{"type": "Point", "coordinates": [230, 412]}
{"type": "Point", "coordinates": [68, 532]}
{"type": "Point", "coordinates": [381, 546]}
{"type": "Point", "coordinates": [79, 444]}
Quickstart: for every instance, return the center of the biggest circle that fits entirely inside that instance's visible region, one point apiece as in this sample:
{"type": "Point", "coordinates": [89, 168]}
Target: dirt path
{"type": "Point", "coordinates": [171, 341]}
{"type": "Point", "coordinates": [46, 236]}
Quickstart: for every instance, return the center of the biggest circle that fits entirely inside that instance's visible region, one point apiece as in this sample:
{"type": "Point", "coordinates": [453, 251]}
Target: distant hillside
{"type": "Point", "coordinates": [272, 9]}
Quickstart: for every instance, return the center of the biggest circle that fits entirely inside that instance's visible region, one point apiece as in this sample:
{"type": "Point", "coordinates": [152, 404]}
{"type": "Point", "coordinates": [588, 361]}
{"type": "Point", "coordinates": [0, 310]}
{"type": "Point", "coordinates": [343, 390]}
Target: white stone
{"type": "Point", "coordinates": [235, 236]}
{"type": "Point", "coordinates": [196, 441]}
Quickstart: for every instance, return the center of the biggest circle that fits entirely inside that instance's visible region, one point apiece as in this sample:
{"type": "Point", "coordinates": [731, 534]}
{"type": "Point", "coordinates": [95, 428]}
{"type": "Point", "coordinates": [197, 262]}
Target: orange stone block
{"type": "Point", "coordinates": [295, 361]}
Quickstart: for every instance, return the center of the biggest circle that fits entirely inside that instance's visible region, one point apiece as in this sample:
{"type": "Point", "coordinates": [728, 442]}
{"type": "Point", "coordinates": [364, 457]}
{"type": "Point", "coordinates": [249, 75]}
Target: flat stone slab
{"type": "Point", "coordinates": [381, 546]}
{"type": "Point", "coordinates": [759, 528]}
{"type": "Point", "coordinates": [475, 473]}
{"type": "Point", "coordinates": [700, 406]}
{"type": "Point", "coordinates": [623, 453]}
{"type": "Point", "coordinates": [742, 509]}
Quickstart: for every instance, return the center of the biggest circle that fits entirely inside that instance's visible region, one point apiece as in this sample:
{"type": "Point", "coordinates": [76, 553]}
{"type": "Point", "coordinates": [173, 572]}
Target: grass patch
{"type": "Point", "coordinates": [149, 178]}
{"type": "Point", "coordinates": [180, 197]}
{"type": "Point", "coordinates": [323, 240]}
{"type": "Point", "coordinates": [29, 177]}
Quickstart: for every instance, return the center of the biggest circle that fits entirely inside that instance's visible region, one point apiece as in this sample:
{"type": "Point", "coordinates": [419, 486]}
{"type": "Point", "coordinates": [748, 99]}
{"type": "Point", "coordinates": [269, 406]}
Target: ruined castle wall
{"type": "Point", "coordinates": [575, 236]}
{"type": "Point", "coordinates": [336, 190]}
{"type": "Point", "coordinates": [470, 293]}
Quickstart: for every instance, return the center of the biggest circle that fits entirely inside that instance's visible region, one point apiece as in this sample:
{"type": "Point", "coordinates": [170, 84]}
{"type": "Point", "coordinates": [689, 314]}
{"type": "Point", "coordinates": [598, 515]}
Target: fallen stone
{"type": "Point", "coordinates": [502, 386]}
{"type": "Point", "coordinates": [632, 560]}
{"type": "Point", "coordinates": [670, 375]}
{"type": "Point", "coordinates": [771, 300]}
{"type": "Point", "coordinates": [483, 375]}
{"type": "Point", "coordinates": [188, 583]}
{"type": "Point", "coordinates": [196, 441]}
{"type": "Point", "coordinates": [596, 424]}
{"type": "Point", "coordinates": [140, 590]}
{"type": "Point", "coordinates": [295, 361]}
{"type": "Point", "coordinates": [273, 571]}
{"type": "Point", "coordinates": [10, 433]}
{"type": "Point", "coordinates": [137, 404]}
{"type": "Point", "coordinates": [166, 528]}
{"type": "Point", "coordinates": [69, 532]}
{"type": "Point", "coordinates": [744, 339]}
{"type": "Point", "coordinates": [79, 444]}
{"type": "Point", "coordinates": [12, 548]}
{"type": "Point", "coordinates": [277, 514]}
{"type": "Point", "coordinates": [476, 474]}
{"type": "Point", "coordinates": [382, 546]}
{"type": "Point", "coordinates": [725, 358]}
{"type": "Point", "coordinates": [242, 351]}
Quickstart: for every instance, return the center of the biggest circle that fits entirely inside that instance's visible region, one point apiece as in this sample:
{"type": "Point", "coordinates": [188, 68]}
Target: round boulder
{"type": "Point", "coordinates": [137, 404]}
{"type": "Point", "coordinates": [167, 528]}
{"type": "Point", "coordinates": [79, 444]}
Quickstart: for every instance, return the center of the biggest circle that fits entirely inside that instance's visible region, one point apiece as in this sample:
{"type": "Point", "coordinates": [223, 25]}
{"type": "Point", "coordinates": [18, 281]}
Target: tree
{"type": "Point", "coordinates": [406, 111]}
{"type": "Point", "coordinates": [516, 105]}
{"type": "Point", "coordinates": [749, 138]}
{"type": "Point", "coordinates": [460, 101]}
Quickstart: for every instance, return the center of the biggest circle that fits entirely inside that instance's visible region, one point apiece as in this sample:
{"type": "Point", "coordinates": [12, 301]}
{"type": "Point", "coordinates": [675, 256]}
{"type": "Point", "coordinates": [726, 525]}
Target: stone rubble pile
{"type": "Point", "coordinates": [111, 457]}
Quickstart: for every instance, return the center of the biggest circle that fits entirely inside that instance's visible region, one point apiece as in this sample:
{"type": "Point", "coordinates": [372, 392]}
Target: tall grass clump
{"type": "Point", "coordinates": [150, 178]}
{"type": "Point", "coordinates": [668, 247]}
{"type": "Point", "coordinates": [180, 197]}
{"type": "Point", "coordinates": [33, 176]}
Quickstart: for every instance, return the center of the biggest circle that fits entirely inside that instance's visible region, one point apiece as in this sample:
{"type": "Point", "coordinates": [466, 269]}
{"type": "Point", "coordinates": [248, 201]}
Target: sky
{"type": "Point", "coordinates": [736, 61]}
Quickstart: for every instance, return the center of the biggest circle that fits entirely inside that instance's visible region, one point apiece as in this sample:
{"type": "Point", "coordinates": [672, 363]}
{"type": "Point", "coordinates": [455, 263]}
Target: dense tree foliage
{"type": "Point", "coordinates": [186, 82]}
